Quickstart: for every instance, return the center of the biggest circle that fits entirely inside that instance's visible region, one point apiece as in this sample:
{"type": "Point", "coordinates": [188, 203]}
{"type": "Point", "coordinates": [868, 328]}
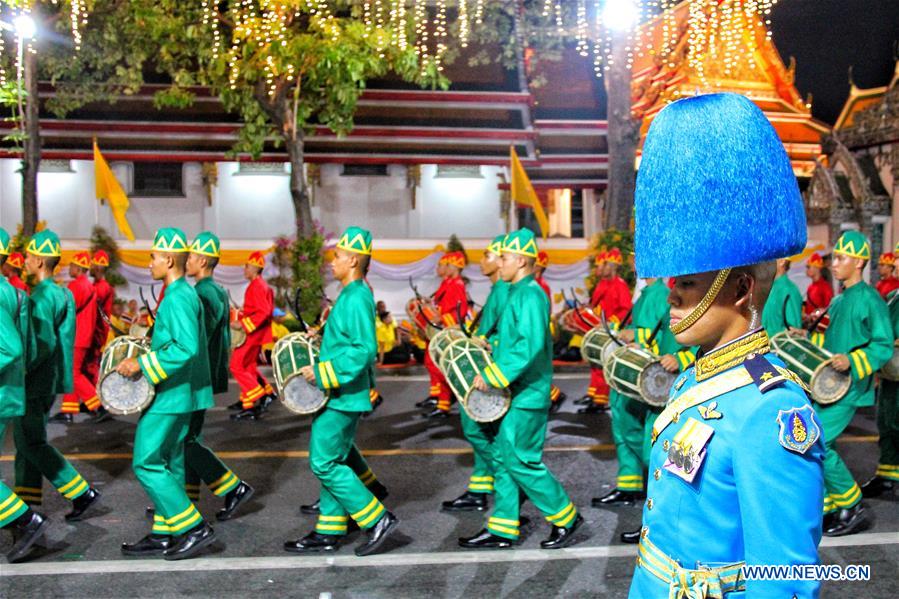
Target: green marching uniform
{"type": "Point", "coordinates": [49, 373]}
{"type": "Point", "coordinates": [632, 420]}
{"type": "Point", "coordinates": [523, 364]}
{"type": "Point", "coordinates": [888, 410]}
{"type": "Point", "coordinates": [201, 463]}
{"type": "Point", "coordinates": [178, 366]}
{"type": "Point", "coordinates": [481, 435]}
{"type": "Point", "coordinates": [860, 328]}
{"type": "Point", "coordinates": [783, 309]}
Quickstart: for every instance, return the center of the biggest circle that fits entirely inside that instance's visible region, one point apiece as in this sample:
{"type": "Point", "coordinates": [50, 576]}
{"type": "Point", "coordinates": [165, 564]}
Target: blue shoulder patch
{"type": "Point", "coordinates": [798, 429]}
{"type": "Point", "coordinates": [763, 373]}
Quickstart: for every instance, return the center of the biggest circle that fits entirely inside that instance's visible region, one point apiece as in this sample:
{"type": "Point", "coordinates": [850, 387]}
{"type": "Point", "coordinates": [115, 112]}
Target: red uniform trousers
{"type": "Point", "coordinates": [253, 386]}
{"type": "Point", "coordinates": [85, 388]}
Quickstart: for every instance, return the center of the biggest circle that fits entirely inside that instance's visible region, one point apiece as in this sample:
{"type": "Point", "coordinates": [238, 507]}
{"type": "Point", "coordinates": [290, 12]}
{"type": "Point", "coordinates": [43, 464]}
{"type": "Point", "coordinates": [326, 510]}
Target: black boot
{"type": "Point", "coordinates": [562, 536]}
{"type": "Point", "coordinates": [617, 497]}
{"type": "Point", "coordinates": [266, 401]}
{"type": "Point", "coordinates": [235, 498]}
{"type": "Point", "coordinates": [556, 405]}
{"type": "Point", "coordinates": [466, 502]}
{"type": "Point", "coordinates": [377, 534]}
{"type": "Point", "coordinates": [26, 530]}
{"type": "Point", "coordinates": [63, 418]}
{"type": "Point", "coordinates": [147, 546]}
{"type": "Point", "coordinates": [427, 403]}
{"type": "Point", "coordinates": [314, 543]}
{"type": "Point", "coordinates": [254, 413]}
{"type": "Point", "coordinates": [436, 415]}
{"type": "Point", "coordinates": [877, 486]}
{"type": "Point", "coordinates": [485, 540]}
{"type": "Point", "coordinates": [102, 415]}
{"type": "Point", "coordinates": [82, 503]}
{"type": "Point", "coordinates": [237, 405]}
{"type": "Point", "coordinates": [847, 521]}
{"type": "Point", "coordinates": [631, 536]}
{"type": "Point", "coordinates": [594, 408]}
{"type": "Point", "coordinates": [583, 400]}
{"type": "Point", "coordinates": [191, 543]}
{"type": "Point", "coordinates": [310, 508]}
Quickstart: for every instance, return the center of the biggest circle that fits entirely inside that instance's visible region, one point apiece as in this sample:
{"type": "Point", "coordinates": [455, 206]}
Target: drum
{"type": "Point", "coordinates": [597, 347]}
{"type": "Point", "coordinates": [289, 354]}
{"type": "Point", "coordinates": [462, 361]}
{"type": "Point", "coordinates": [812, 364]}
{"type": "Point", "coordinates": [425, 316]}
{"type": "Point", "coordinates": [579, 321]}
{"type": "Point", "coordinates": [890, 370]}
{"type": "Point", "coordinates": [138, 330]}
{"type": "Point", "coordinates": [118, 394]}
{"type": "Point", "coordinates": [442, 340]}
{"type": "Point", "coordinates": [238, 336]}
{"type": "Point", "coordinates": [638, 374]}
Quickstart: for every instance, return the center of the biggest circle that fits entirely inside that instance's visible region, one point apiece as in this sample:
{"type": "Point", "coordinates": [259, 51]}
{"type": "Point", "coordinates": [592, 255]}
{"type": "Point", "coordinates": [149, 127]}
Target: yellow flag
{"type": "Point", "coordinates": [108, 189]}
{"type": "Point", "coordinates": [523, 192]}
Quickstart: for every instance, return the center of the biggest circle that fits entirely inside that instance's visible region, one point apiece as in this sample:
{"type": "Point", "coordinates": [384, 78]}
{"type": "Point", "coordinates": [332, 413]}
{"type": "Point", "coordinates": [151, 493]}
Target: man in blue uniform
{"type": "Point", "coordinates": [735, 470]}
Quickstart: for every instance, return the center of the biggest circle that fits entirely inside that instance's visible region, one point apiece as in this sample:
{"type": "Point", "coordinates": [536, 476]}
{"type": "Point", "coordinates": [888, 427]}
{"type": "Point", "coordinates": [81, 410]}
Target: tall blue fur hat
{"type": "Point", "coordinates": [715, 190]}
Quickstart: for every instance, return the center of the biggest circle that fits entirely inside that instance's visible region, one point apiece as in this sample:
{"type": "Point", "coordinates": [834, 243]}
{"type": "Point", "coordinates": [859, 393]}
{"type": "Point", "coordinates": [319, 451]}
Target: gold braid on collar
{"type": "Point", "coordinates": [732, 354]}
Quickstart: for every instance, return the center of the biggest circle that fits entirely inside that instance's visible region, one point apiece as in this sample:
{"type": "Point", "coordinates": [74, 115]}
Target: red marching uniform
{"type": "Point", "coordinates": [17, 261]}
{"type": "Point", "coordinates": [105, 298]}
{"type": "Point", "coordinates": [256, 320]}
{"type": "Point", "coordinates": [889, 283]}
{"type": "Point", "coordinates": [613, 298]}
{"type": "Point", "coordinates": [450, 294]}
{"type": "Point", "coordinates": [85, 324]}
{"type": "Point", "coordinates": [818, 296]}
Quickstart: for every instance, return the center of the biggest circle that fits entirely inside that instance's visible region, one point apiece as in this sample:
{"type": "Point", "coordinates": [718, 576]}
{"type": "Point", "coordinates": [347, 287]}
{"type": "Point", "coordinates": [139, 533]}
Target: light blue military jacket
{"type": "Point", "coordinates": [735, 475]}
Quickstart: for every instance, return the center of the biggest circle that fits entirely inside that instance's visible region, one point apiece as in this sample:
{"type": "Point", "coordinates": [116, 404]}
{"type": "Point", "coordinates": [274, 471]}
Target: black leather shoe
{"type": "Point", "coordinates": [847, 522]}
{"type": "Point", "coordinates": [593, 408]}
{"type": "Point", "coordinates": [266, 401]}
{"type": "Point", "coordinates": [102, 415]}
{"type": "Point", "coordinates": [190, 544]}
{"type": "Point", "coordinates": [485, 540]}
{"type": "Point", "coordinates": [377, 534]}
{"type": "Point", "coordinates": [82, 503]}
{"type": "Point", "coordinates": [562, 536]}
{"type": "Point", "coordinates": [149, 545]}
{"type": "Point", "coordinates": [311, 508]}
{"type": "Point", "coordinates": [427, 402]}
{"type": "Point", "coordinates": [63, 418]}
{"type": "Point", "coordinates": [253, 413]}
{"type": "Point", "coordinates": [877, 486]}
{"type": "Point", "coordinates": [631, 536]}
{"type": "Point", "coordinates": [314, 543]}
{"type": "Point", "coordinates": [556, 405]}
{"type": "Point", "coordinates": [237, 405]}
{"type": "Point", "coordinates": [436, 415]}
{"type": "Point", "coordinates": [466, 502]}
{"type": "Point", "coordinates": [235, 498]}
{"type": "Point", "coordinates": [583, 400]}
{"type": "Point", "coordinates": [26, 530]}
{"type": "Point", "coordinates": [616, 497]}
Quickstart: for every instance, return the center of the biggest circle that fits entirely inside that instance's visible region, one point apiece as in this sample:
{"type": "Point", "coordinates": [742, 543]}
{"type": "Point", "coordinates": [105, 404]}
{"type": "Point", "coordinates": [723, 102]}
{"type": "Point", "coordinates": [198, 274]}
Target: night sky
{"type": "Point", "coordinates": [829, 36]}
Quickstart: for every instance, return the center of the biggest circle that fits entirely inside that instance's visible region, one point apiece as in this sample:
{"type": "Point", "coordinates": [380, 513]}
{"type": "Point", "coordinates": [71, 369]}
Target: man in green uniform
{"type": "Point", "coordinates": [348, 350]}
{"type": "Point", "coordinates": [861, 337]}
{"type": "Point", "coordinates": [178, 365]}
{"type": "Point", "coordinates": [783, 310]}
{"type": "Point", "coordinates": [201, 462]}
{"type": "Point", "coordinates": [480, 483]}
{"type": "Point", "coordinates": [49, 372]}
{"type": "Point", "coordinates": [523, 364]}
{"type": "Point", "coordinates": [887, 474]}
{"type": "Point", "coordinates": [632, 420]}
{"type": "Point", "coordinates": [27, 526]}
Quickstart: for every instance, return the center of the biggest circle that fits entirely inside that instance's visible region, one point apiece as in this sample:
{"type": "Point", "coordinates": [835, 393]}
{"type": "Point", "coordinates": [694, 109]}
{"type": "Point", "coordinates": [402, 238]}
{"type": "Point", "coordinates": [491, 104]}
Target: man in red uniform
{"type": "Point", "coordinates": [85, 322]}
{"type": "Point", "coordinates": [256, 320]}
{"type": "Point", "coordinates": [450, 295]}
{"type": "Point", "coordinates": [105, 298]}
{"type": "Point", "coordinates": [430, 402]}
{"type": "Point", "coordinates": [12, 270]}
{"type": "Point", "coordinates": [555, 394]}
{"type": "Point", "coordinates": [887, 282]}
{"type": "Point", "coordinates": [820, 292]}
{"type": "Point", "coordinates": [611, 298]}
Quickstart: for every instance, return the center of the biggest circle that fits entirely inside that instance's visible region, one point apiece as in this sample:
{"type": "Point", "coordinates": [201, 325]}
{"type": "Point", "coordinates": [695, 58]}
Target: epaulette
{"type": "Point", "coordinates": [765, 375]}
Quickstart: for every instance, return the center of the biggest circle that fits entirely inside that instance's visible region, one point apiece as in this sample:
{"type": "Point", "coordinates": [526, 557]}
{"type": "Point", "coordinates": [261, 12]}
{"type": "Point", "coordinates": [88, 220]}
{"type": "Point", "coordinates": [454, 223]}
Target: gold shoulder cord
{"type": "Point", "coordinates": [690, 319]}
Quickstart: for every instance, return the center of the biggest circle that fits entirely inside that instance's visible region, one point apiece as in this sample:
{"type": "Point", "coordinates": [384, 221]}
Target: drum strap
{"type": "Point", "coordinates": [714, 387]}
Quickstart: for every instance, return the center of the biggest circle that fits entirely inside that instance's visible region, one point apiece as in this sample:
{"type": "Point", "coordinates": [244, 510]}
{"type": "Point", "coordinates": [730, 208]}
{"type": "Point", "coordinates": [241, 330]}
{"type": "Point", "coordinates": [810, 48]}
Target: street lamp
{"type": "Point", "coordinates": [24, 26]}
{"type": "Point", "coordinates": [620, 15]}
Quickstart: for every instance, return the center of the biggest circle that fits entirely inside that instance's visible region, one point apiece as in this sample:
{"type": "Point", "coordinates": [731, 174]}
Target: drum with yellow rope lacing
{"type": "Point", "coordinates": [442, 340]}
{"type": "Point", "coordinates": [119, 394]}
{"type": "Point", "coordinates": [462, 361]}
{"type": "Point", "coordinates": [597, 346]}
{"type": "Point", "coordinates": [813, 365]}
{"type": "Point", "coordinates": [637, 373]}
{"type": "Point", "coordinates": [291, 353]}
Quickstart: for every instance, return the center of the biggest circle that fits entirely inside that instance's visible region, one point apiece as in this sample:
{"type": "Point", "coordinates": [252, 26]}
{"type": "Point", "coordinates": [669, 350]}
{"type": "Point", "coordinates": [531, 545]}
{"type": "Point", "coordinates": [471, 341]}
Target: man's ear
{"type": "Point", "coordinates": [745, 284]}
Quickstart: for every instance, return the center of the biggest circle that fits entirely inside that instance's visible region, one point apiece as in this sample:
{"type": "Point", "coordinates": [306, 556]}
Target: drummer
{"type": "Point", "coordinates": [819, 292]}
{"type": "Point", "coordinates": [105, 300]}
{"type": "Point", "coordinates": [783, 310]}
{"type": "Point", "coordinates": [886, 478]}
{"type": "Point", "coordinates": [632, 419]}
{"type": "Point", "coordinates": [861, 336]}
{"type": "Point", "coordinates": [12, 270]}
{"type": "Point", "coordinates": [437, 385]}
{"type": "Point", "coordinates": [201, 463]}
{"type": "Point", "coordinates": [885, 266]}
{"type": "Point", "coordinates": [48, 374]}
{"type": "Point", "coordinates": [523, 364]}
{"type": "Point", "coordinates": [557, 398]}
{"type": "Point", "coordinates": [736, 460]}
{"type": "Point", "coordinates": [480, 483]}
{"type": "Point", "coordinates": [178, 366]}
{"type": "Point", "coordinates": [348, 350]}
